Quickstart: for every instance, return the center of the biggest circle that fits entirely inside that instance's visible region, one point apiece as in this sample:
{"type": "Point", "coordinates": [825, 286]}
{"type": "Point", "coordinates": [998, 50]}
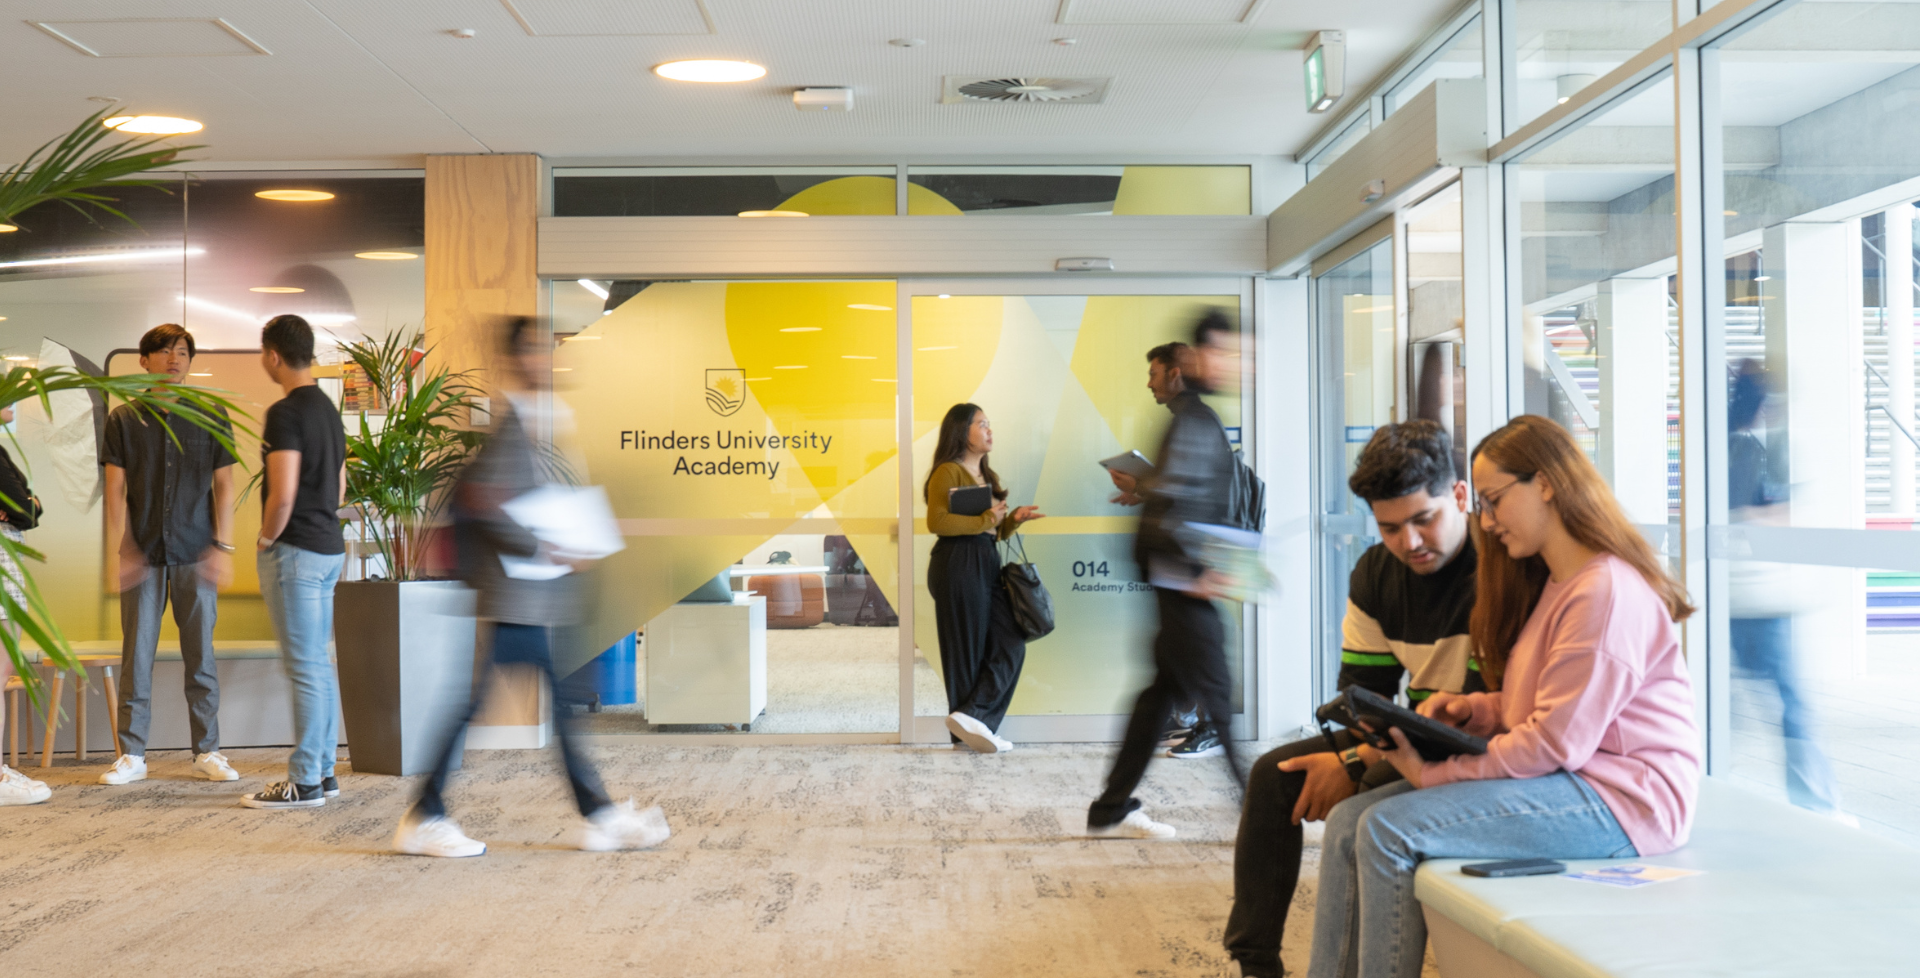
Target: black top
{"type": "Point", "coordinates": [1192, 483]}
{"type": "Point", "coordinates": [1399, 622]}
{"type": "Point", "coordinates": [169, 481]}
{"type": "Point", "coordinates": [306, 421]}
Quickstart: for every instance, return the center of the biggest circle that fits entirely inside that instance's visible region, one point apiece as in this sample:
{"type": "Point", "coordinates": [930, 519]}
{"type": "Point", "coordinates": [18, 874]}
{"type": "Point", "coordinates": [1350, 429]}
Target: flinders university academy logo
{"type": "Point", "coordinates": [726, 390]}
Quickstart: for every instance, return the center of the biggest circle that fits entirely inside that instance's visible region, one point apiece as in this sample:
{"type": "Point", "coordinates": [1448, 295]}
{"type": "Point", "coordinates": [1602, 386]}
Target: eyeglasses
{"type": "Point", "coordinates": [1490, 503]}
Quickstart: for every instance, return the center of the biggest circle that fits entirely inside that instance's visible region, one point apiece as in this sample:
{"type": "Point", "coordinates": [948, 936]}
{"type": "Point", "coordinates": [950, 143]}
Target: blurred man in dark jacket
{"type": "Point", "coordinates": [521, 609]}
{"type": "Point", "coordinates": [1192, 484]}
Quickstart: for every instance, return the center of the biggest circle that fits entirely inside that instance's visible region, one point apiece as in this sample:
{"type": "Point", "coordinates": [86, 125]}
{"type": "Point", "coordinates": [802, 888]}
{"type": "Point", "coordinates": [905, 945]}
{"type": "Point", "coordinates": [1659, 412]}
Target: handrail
{"type": "Point", "coordinates": [1883, 408]}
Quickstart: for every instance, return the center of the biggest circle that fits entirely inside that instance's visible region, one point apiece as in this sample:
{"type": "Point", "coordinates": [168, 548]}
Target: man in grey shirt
{"type": "Point", "coordinates": [169, 495]}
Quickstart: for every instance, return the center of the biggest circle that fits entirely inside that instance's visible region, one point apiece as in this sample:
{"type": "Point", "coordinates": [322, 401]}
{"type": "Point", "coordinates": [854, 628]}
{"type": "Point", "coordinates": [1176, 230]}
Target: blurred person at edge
{"type": "Point", "coordinates": [520, 614]}
{"type": "Point", "coordinates": [169, 500]}
{"type": "Point", "coordinates": [981, 647]}
{"type": "Point", "coordinates": [1592, 751]}
{"type": "Point", "coordinates": [15, 787]}
{"type": "Point", "coordinates": [1192, 483]}
{"type": "Point", "coordinates": [1761, 596]}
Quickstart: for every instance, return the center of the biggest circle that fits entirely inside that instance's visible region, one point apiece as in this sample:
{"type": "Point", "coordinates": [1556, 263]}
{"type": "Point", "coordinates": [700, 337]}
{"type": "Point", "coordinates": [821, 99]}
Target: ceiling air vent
{"type": "Point", "coordinates": [961, 88]}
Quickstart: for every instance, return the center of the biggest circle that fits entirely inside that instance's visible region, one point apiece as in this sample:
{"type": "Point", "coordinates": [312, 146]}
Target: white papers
{"type": "Point", "coordinates": [1631, 875]}
{"type": "Point", "coordinates": [575, 522]}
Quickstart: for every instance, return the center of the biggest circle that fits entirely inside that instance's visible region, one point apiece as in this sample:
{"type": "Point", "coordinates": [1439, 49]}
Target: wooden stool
{"type": "Point", "coordinates": [16, 692]}
{"type": "Point", "coordinates": [106, 664]}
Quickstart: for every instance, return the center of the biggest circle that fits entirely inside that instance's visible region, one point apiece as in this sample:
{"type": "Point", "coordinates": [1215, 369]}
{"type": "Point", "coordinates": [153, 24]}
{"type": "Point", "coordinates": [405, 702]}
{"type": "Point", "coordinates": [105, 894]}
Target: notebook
{"type": "Point", "coordinates": [969, 500]}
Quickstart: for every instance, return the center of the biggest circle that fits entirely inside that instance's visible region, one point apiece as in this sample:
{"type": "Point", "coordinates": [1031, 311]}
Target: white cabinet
{"type": "Point", "coordinates": [707, 662]}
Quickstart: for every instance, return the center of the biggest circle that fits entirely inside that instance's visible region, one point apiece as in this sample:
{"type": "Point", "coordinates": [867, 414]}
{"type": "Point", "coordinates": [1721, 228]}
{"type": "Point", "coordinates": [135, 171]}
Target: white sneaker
{"type": "Point", "coordinates": [1001, 745]}
{"type": "Point", "coordinates": [214, 767]}
{"type": "Point", "coordinates": [18, 789]}
{"type": "Point", "coordinates": [434, 837]}
{"type": "Point", "coordinates": [974, 733]}
{"type": "Point", "coordinates": [620, 827]}
{"type": "Point", "coordinates": [126, 769]}
{"type": "Point", "coordinates": [1135, 826]}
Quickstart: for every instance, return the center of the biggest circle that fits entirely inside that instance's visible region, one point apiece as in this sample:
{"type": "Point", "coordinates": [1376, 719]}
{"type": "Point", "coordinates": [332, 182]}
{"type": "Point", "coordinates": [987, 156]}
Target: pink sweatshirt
{"type": "Point", "coordinates": [1596, 685]}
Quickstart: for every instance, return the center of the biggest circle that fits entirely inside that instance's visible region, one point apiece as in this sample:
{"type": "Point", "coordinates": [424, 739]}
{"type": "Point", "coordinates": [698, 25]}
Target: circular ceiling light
{"type": "Point", "coordinates": [710, 71]}
{"type": "Point", "coordinates": [385, 255]}
{"type": "Point", "coordinates": [153, 125]}
{"type": "Point", "coordinates": [773, 213]}
{"type": "Point", "coordinates": [5, 228]}
{"type": "Point", "coordinates": [294, 195]}
{"type": "Point", "coordinates": [869, 306]}
{"type": "Point", "coordinates": [276, 289]}
{"type": "Point", "coordinates": [18, 358]}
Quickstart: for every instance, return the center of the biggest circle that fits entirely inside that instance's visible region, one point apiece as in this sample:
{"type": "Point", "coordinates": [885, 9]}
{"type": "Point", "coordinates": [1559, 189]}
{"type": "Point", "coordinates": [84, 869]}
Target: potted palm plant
{"type": "Point", "coordinates": [80, 170]}
{"type": "Point", "coordinates": [404, 640]}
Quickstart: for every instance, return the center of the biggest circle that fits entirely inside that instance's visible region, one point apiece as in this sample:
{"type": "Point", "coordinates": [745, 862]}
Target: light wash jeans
{"type": "Point", "coordinates": [1367, 922]}
{"type": "Point", "coordinates": [298, 587]}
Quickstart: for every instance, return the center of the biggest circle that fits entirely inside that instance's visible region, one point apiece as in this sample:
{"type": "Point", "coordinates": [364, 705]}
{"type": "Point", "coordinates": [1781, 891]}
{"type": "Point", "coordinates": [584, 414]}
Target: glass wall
{"type": "Point", "coordinates": [1462, 56]}
{"type": "Point", "coordinates": [1821, 592]}
{"type": "Point", "coordinates": [1102, 190]}
{"type": "Point", "coordinates": [721, 191]}
{"type": "Point", "coordinates": [1562, 46]}
{"type": "Point", "coordinates": [219, 253]}
{"type": "Point", "coordinates": [1063, 379]}
{"type": "Point", "coordinates": [1597, 264]}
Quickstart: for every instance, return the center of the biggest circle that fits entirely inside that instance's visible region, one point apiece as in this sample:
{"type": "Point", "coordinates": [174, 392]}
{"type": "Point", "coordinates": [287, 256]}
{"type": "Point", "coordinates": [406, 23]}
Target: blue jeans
{"type": "Point", "coordinates": [1367, 922]}
{"type": "Point", "coordinates": [298, 587]}
{"type": "Point", "coordinates": [1764, 647]}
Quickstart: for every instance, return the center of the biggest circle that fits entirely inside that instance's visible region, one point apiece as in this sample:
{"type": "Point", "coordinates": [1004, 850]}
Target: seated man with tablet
{"type": "Point", "coordinates": [1408, 603]}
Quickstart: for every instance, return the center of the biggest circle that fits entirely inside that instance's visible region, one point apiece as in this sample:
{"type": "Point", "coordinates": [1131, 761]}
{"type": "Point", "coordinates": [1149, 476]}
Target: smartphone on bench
{"type": "Point", "coordinates": [1514, 867]}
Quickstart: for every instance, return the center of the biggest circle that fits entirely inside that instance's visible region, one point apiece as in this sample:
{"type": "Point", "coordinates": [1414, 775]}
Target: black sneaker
{"type": "Point", "coordinates": [286, 794]}
{"type": "Point", "coordinates": [330, 787]}
{"type": "Point", "coordinates": [1179, 727]}
{"type": "Point", "coordinates": [1203, 742]}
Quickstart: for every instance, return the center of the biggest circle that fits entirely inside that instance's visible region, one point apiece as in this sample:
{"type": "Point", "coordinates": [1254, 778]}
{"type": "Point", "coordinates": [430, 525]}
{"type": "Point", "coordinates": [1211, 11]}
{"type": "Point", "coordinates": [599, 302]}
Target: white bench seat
{"type": "Point", "coordinates": [1783, 892]}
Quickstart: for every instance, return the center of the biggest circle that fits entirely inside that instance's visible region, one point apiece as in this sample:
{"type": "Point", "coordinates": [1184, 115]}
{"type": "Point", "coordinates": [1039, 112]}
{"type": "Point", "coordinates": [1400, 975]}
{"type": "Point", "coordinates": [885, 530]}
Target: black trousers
{"type": "Point", "coordinates": [1266, 856]}
{"type": "Point", "coordinates": [1190, 665]}
{"type": "Point", "coordinates": [981, 648]}
{"type": "Point", "coordinates": [529, 644]}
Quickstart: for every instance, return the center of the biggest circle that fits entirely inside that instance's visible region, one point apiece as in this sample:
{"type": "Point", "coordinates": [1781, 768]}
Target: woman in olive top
{"type": "Point", "coordinates": [981, 648]}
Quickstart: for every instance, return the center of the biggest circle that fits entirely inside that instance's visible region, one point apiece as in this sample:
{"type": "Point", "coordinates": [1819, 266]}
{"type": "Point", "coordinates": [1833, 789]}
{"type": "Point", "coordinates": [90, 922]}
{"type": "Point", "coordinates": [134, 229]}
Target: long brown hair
{"type": "Point", "coordinates": [1506, 589]}
{"type": "Point", "coordinates": [952, 447]}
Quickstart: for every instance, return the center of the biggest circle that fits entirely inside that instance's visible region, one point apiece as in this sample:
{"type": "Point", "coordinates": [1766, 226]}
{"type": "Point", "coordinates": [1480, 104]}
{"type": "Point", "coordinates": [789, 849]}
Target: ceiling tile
{"type": "Point", "coordinates": [1156, 11]}
{"type": "Point", "coordinates": [610, 18]}
{"type": "Point", "coordinates": [148, 37]}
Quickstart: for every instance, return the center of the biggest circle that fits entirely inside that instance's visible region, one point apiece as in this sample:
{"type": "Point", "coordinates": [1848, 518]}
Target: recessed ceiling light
{"type": "Point", "coordinates": [855, 356]}
{"type": "Point", "coordinates": [869, 306]}
{"type": "Point", "coordinates": [773, 213]}
{"type": "Point", "coordinates": [385, 255]}
{"type": "Point", "coordinates": [4, 228]}
{"type": "Point", "coordinates": [154, 125]}
{"type": "Point", "coordinates": [294, 195]}
{"type": "Point", "coordinates": [3, 319]}
{"type": "Point", "coordinates": [801, 329]}
{"type": "Point", "coordinates": [277, 289]}
{"type": "Point", "coordinates": [592, 286]}
{"type": "Point", "coordinates": [931, 349]}
{"type": "Point", "coordinates": [710, 71]}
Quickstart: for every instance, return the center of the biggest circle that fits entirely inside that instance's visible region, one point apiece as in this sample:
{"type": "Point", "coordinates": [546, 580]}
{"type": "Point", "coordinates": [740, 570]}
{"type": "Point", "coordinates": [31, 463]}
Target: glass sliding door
{"type": "Point", "coordinates": [1063, 380]}
{"type": "Point", "coordinates": [1357, 338]}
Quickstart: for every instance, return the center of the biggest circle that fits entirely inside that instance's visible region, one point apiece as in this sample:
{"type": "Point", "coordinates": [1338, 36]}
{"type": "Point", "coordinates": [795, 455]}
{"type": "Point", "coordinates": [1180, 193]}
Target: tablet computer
{"type": "Point", "coordinates": [1132, 463]}
{"type": "Point", "coordinates": [969, 500]}
{"type": "Point", "coordinates": [1431, 739]}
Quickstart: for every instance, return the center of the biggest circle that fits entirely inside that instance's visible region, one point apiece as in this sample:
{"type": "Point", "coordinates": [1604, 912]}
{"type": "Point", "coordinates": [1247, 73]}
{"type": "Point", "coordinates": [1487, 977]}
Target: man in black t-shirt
{"type": "Point", "coordinates": [301, 548]}
{"type": "Point", "coordinates": [169, 500]}
{"type": "Point", "coordinates": [1408, 603]}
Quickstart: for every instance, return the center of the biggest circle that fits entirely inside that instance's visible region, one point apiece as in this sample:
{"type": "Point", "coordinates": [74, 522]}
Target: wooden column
{"type": "Point", "coordinates": [482, 221]}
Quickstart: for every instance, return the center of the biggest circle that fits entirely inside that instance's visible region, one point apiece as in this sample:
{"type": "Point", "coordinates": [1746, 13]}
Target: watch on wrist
{"type": "Point", "coordinates": [1356, 768]}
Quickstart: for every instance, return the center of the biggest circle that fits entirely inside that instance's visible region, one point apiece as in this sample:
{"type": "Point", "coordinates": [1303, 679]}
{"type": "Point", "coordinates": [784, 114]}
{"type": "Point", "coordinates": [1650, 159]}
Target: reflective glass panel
{"type": "Point", "coordinates": [984, 191]}
{"type": "Point", "coordinates": [721, 191]}
{"type": "Point", "coordinates": [1562, 46]}
{"type": "Point", "coordinates": [1462, 57]}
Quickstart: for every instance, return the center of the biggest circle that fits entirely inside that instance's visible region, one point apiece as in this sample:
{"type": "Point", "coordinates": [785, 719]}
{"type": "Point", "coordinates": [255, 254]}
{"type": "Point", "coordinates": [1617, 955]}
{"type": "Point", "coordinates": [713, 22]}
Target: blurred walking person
{"type": "Point", "coordinates": [520, 612]}
{"type": "Point", "coordinates": [1193, 483]}
{"type": "Point", "coordinates": [981, 647]}
{"type": "Point", "coordinates": [15, 788]}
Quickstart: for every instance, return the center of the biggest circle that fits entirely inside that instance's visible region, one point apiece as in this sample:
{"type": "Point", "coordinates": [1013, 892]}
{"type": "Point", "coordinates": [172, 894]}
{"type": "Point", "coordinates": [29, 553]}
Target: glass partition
{"type": "Point", "coordinates": [1598, 322]}
{"type": "Point", "coordinates": [1461, 57]}
{"type": "Point", "coordinates": [1063, 380]}
{"type": "Point", "coordinates": [1815, 604]}
{"type": "Point", "coordinates": [1562, 46]}
{"type": "Point", "coordinates": [1088, 190]}
{"type": "Point", "coordinates": [721, 191]}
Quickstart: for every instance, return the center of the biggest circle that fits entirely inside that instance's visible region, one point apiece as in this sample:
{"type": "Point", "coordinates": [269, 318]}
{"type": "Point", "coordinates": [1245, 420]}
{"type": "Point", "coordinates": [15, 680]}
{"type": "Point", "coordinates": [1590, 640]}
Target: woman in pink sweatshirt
{"type": "Point", "coordinates": [1591, 751]}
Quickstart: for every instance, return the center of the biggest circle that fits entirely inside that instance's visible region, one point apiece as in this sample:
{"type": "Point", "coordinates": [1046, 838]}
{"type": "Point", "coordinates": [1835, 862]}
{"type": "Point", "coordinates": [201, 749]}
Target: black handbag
{"type": "Point", "coordinates": [1032, 605]}
{"type": "Point", "coordinates": [18, 505]}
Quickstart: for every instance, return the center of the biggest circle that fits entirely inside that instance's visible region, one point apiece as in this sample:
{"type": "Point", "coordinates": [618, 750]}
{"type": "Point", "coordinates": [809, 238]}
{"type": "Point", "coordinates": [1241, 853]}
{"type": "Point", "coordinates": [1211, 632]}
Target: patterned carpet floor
{"type": "Point", "coordinates": [842, 861]}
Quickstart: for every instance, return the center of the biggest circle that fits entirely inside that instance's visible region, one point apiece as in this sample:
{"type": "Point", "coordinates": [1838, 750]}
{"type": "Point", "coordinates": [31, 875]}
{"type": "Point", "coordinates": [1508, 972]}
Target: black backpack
{"type": "Point", "coordinates": [1247, 507]}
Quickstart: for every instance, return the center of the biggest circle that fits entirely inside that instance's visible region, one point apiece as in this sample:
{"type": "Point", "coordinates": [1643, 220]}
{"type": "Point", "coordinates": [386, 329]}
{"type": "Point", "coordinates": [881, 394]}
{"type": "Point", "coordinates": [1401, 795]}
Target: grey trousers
{"type": "Point", "coordinates": [194, 609]}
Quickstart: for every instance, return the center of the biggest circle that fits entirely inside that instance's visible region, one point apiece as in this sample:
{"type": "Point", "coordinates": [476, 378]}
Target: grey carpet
{"type": "Point", "coordinates": [841, 861]}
